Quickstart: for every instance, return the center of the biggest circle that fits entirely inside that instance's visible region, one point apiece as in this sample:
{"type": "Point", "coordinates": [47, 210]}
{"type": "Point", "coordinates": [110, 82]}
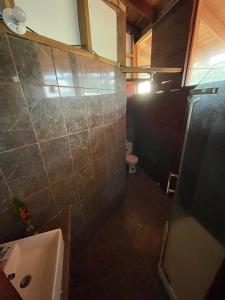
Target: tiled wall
{"type": "Point", "coordinates": [62, 134]}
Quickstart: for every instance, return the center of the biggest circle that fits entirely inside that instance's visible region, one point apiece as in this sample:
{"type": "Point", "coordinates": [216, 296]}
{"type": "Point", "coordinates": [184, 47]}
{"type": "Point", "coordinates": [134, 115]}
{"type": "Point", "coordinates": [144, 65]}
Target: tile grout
{"type": "Point", "coordinates": [61, 136]}
{"type": "Point", "coordinates": [73, 173]}
{"type": "Point", "coordinates": [118, 272]}
{"type": "Point", "coordinates": [21, 82]}
{"type": "Point", "coordinates": [64, 118]}
{"type": "Point", "coordinates": [32, 124]}
{"type": "Point", "coordinates": [8, 187]}
{"type": "Point", "coordinates": [60, 86]}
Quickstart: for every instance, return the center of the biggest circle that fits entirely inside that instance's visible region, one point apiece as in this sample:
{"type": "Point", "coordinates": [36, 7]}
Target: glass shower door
{"type": "Point", "coordinates": [195, 245]}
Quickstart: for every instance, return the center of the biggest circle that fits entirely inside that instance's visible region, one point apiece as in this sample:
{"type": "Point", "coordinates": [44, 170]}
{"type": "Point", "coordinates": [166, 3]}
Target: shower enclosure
{"type": "Point", "coordinates": [194, 247]}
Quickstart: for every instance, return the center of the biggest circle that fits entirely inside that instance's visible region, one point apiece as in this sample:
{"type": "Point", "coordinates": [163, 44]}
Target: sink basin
{"type": "Point", "coordinates": [34, 265]}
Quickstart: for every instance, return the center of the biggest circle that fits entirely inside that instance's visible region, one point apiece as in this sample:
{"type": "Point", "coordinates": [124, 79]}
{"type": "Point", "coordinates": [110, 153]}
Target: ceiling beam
{"type": "Point", "coordinates": [116, 5]}
{"type": "Point", "coordinates": [150, 70]}
{"type": "Point", "coordinates": [142, 7]}
{"type": "Point", "coordinates": [137, 79]}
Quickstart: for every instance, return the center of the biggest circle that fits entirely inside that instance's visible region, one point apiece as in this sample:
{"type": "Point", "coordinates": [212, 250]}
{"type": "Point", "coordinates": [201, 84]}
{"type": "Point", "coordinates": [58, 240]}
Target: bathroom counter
{"type": "Point", "coordinates": [63, 221]}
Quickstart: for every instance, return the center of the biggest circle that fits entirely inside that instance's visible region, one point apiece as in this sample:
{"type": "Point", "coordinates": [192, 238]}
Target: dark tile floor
{"type": "Point", "coordinates": [120, 262]}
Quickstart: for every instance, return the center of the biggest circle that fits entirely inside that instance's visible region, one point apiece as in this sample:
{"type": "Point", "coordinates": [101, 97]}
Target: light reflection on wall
{"type": "Point", "coordinates": [50, 91]}
{"type": "Point", "coordinates": [144, 87]}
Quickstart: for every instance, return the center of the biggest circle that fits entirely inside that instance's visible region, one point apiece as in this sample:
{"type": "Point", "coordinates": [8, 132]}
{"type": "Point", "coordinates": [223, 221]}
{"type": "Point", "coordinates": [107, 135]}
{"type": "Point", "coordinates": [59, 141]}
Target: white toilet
{"type": "Point", "coordinates": [131, 160]}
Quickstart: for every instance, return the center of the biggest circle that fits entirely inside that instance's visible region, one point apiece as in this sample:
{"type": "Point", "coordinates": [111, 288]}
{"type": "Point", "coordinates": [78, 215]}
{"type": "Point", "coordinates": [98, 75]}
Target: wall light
{"type": "Point", "coordinates": [144, 87]}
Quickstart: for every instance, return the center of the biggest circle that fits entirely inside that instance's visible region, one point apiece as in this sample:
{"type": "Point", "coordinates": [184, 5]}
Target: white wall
{"type": "Point", "coordinates": [56, 19]}
{"type": "Point", "coordinates": [103, 22]}
{"type": "Point", "coordinates": [192, 259]}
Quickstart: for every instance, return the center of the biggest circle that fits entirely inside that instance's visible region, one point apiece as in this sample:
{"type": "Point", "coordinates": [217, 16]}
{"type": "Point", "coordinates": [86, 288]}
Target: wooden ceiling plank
{"type": "Point", "coordinates": [214, 24]}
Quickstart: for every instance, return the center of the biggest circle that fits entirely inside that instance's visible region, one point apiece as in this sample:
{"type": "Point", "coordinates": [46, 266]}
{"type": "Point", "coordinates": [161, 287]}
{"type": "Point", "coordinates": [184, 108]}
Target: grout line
{"type": "Point", "coordinates": [35, 133]}
{"type": "Point", "coordinates": [17, 148]}
{"type": "Point", "coordinates": [9, 82]}
{"type": "Point", "coordinates": [81, 70]}
{"type": "Point", "coordinates": [38, 142]}
{"type": "Point", "coordinates": [100, 75]}
{"type": "Point", "coordinates": [18, 78]}
{"type": "Point", "coordinates": [67, 135]}
{"type": "Point", "coordinates": [58, 137]}
{"type": "Point", "coordinates": [8, 187]}
{"type": "Point", "coordinates": [32, 124]}
{"type": "Point", "coordinates": [36, 192]}
{"type": "Point", "coordinates": [56, 85]}
{"type": "Point", "coordinates": [51, 185]}
{"type": "Point", "coordinates": [62, 178]}
{"type": "Point", "coordinates": [64, 118]}
{"type": "Point", "coordinates": [90, 137]}
{"type": "Point", "coordinates": [6, 182]}
{"type": "Point", "coordinates": [43, 162]}
{"type": "Point", "coordinates": [13, 59]}
{"type": "Point", "coordinates": [5, 211]}
{"type": "Point", "coordinates": [107, 162]}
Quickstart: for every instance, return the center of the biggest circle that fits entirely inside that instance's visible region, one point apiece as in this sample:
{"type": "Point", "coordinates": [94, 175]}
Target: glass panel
{"type": "Point", "coordinates": [103, 22]}
{"type": "Point", "coordinates": [143, 50]}
{"type": "Point", "coordinates": [201, 189]}
{"type": "Point", "coordinates": [128, 43]}
{"type": "Point", "coordinates": [129, 64]}
{"type": "Point", "coordinates": [208, 47]}
{"type": "Point", "coordinates": [55, 19]}
{"type": "Point", "coordinates": [196, 239]}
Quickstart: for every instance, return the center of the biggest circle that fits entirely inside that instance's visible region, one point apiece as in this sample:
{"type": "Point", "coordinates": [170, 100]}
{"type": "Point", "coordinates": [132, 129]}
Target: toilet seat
{"type": "Point", "coordinates": [131, 159]}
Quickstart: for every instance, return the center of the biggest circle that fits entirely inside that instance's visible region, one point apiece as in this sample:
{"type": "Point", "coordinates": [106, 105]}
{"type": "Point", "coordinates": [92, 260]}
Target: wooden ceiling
{"type": "Point", "coordinates": [142, 13]}
{"type": "Point", "coordinates": [209, 37]}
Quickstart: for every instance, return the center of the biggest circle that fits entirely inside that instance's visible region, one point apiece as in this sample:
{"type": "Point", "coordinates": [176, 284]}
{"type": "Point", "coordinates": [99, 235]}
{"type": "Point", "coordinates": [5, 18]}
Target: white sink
{"type": "Point", "coordinates": [41, 257]}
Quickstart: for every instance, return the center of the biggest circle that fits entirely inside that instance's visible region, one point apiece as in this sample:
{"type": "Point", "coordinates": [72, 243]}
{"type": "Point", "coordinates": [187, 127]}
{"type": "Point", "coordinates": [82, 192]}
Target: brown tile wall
{"type": "Point", "coordinates": [62, 134]}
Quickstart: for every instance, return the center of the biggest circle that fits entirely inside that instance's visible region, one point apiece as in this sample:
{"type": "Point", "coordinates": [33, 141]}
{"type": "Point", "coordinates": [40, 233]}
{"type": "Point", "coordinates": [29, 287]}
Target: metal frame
{"type": "Point", "coordinates": [161, 272]}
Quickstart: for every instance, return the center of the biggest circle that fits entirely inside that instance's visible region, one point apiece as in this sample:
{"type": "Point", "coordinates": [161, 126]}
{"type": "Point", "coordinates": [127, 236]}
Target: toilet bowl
{"type": "Point", "coordinates": [131, 159]}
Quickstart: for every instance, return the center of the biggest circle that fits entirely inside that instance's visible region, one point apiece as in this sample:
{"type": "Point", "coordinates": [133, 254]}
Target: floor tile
{"type": "Point", "coordinates": [102, 263]}
{"type": "Point", "coordinates": [79, 271]}
{"type": "Point", "coordinates": [85, 294]}
{"type": "Point", "coordinates": [124, 253]}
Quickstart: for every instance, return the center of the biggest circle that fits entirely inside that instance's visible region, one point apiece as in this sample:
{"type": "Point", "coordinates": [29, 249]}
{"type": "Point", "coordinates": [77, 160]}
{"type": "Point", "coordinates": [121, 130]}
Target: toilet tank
{"type": "Point", "coordinates": [129, 148]}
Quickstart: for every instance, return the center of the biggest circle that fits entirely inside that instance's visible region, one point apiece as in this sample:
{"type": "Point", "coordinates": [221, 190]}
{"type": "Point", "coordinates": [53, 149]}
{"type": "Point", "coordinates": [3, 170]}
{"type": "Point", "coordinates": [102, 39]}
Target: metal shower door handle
{"type": "Point", "coordinates": [169, 189]}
